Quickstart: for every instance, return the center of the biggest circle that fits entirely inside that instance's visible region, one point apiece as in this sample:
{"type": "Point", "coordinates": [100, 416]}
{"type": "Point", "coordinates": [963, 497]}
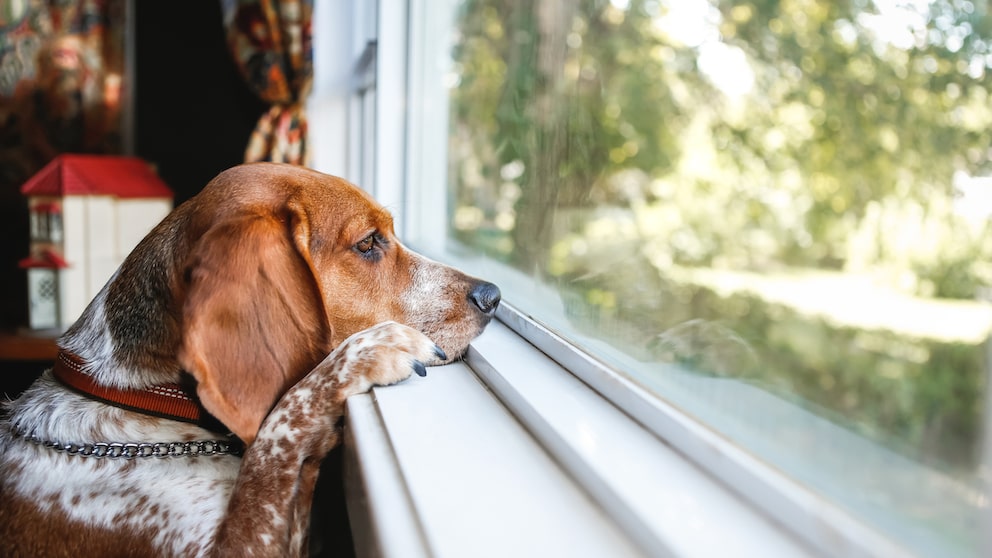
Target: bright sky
{"type": "Point", "coordinates": [900, 23]}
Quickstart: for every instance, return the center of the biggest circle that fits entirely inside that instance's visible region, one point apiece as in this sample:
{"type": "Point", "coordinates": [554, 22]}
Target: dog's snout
{"type": "Point", "coordinates": [485, 296]}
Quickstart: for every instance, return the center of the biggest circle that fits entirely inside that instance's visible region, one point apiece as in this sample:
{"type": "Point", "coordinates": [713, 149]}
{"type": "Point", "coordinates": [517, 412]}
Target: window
{"type": "Point", "coordinates": [46, 222]}
{"type": "Point", "coordinates": [773, 217]}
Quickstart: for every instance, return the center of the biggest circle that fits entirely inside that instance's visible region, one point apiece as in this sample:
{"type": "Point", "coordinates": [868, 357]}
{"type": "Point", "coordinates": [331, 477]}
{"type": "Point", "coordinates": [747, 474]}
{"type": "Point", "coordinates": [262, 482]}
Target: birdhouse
{"type": "Point", "coordinates": [87, 212]}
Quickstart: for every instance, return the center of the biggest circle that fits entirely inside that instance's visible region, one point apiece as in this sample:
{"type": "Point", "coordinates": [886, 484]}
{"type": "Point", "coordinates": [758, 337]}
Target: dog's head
{"type": "Point", "coordinates": [272, 267]}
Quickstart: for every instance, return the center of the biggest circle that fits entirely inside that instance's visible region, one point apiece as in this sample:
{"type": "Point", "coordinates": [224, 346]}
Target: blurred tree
{"type": "Point", "coordinates": [610, 145]}
{"type": "Point", "coordinates": [846, 108]}
{"type": "Point", "coordinates": [896, 108]}
{"type": "Point", "coordinates": [568, 93]}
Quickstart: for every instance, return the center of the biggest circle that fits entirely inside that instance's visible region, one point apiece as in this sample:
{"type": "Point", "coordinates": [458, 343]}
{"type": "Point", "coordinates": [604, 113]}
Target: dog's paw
{"type": "Point", "coordinates": [381, 355]}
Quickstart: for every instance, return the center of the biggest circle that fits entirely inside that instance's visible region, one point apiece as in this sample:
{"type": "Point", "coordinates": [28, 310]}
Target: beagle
{"type": "Point", "coordinates": [193, 401]}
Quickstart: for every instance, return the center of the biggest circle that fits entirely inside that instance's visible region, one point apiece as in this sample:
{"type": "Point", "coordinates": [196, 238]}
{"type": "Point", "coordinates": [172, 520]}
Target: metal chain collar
{"type": "Point", "coordinates": [115, 450]}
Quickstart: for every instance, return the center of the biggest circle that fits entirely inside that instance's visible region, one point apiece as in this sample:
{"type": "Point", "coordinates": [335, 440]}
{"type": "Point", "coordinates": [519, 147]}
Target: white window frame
{"type": "Point", "coordinates": [622, 469]}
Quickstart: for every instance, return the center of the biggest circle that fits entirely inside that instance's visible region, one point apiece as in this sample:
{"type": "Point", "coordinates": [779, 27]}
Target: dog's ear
{"type": "Point", "coordinates": [253, 320]}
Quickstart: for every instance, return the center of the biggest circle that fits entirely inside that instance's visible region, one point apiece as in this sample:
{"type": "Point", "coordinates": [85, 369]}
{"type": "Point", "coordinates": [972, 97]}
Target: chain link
{"type": "Point", "coordinates": [117, 450]}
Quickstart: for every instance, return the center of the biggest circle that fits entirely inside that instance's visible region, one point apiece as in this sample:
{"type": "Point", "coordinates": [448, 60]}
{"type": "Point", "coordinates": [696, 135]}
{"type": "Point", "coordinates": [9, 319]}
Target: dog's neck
{"type": "Point", "coordinates": [129, 333]}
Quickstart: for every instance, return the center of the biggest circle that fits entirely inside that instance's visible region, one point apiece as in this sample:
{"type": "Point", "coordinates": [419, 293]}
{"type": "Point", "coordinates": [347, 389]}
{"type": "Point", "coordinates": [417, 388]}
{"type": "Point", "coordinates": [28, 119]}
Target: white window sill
{"type": "Point", "coordinates": [507, 454]}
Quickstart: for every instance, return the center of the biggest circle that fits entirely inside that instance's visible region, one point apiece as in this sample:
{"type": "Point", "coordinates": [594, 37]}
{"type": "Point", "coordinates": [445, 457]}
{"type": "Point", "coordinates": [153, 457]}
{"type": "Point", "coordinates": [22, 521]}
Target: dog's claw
{"type": "Point", "coordinates": [419, 368]}
{"type": "Point", "coordinates": [440, 353]}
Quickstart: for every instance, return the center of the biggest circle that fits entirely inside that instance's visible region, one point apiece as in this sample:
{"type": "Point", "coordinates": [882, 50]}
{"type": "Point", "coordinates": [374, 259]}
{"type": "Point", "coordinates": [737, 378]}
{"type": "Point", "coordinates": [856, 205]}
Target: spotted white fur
{"type": "Point", "coordinates": [180, 499]}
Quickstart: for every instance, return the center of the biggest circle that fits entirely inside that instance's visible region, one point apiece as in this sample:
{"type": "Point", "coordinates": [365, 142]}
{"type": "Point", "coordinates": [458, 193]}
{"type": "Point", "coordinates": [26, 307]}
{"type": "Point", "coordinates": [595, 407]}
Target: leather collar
{"type": "Point", "coordinates": [172, 401]}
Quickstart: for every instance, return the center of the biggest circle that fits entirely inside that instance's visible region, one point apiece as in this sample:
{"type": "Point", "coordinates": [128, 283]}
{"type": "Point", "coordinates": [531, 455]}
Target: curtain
{"type": "Point", "coordinates": [271, 44]}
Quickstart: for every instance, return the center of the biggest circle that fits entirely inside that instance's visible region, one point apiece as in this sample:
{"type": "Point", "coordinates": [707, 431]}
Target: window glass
{"type": "Point", "coordinates": [776, 216]}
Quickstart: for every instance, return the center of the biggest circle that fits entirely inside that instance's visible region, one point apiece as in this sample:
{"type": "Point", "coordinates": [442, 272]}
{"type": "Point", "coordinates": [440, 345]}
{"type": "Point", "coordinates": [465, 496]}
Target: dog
{"type": "Point", "coordinates": [192, 402]}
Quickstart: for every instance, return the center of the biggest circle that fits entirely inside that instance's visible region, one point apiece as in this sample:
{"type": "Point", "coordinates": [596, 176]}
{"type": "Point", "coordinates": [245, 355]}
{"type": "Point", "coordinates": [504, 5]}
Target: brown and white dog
{"type": "Point", "coordinates": [263, 302]}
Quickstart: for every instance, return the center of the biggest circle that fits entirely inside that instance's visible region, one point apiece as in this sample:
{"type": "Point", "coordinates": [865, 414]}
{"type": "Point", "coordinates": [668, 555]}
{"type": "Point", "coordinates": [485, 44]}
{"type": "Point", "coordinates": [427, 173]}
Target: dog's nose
{"type": "Point", "coordinates": [485, 296]}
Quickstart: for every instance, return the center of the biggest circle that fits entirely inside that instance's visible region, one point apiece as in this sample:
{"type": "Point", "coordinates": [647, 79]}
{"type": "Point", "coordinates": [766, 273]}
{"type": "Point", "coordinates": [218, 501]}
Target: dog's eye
{"type": "Point", "coordinates": [366, 244]}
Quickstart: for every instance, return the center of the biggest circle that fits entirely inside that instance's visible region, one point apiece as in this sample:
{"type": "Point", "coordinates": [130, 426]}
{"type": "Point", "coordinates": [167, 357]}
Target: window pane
{"type": "Point", "coordinates": [775, 215]}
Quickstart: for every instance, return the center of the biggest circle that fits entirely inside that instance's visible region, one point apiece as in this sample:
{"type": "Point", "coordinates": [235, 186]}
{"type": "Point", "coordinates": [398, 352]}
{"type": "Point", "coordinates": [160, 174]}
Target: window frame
{"type": "Point", "coordinates": [786, 511]}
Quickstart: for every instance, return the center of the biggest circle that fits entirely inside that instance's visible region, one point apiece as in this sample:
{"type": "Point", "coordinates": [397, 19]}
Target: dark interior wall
{"type": "Point", "coordinates": [193, 111]}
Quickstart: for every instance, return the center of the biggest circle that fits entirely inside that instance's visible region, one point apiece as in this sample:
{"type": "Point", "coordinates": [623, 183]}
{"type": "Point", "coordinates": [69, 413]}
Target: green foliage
{"type": "Point", "coordinates": [888, 121]}
{"type": "Point", "coordinates": [839, 117]}
{"type": "Point", "coordinates": [595, 146]}
{"type": "Point", "coordinates": [920, 396]}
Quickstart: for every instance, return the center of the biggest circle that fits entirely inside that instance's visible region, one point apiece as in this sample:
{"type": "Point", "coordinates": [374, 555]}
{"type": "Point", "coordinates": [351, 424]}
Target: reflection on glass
{"type": "Point", "coordinates": [776, 215]}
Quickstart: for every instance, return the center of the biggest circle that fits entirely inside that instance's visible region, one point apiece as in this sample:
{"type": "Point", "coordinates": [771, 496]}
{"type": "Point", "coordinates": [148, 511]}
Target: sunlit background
{"type": "Point", "coordinates": [752, 206]}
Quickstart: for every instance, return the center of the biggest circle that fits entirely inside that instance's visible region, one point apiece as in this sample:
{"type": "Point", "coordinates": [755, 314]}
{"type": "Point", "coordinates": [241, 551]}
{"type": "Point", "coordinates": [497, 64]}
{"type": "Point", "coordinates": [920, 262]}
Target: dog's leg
{"type": "Point", "coordinates": [269, 511]}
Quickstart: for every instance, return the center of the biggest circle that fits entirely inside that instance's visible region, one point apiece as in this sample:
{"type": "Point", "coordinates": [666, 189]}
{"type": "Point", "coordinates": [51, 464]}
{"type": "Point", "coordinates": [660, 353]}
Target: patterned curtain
{"type": "Point", "coordinates": [270, 42]}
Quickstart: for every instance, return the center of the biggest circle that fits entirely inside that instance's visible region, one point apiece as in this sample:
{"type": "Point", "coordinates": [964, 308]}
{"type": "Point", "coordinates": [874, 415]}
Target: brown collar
{"type": "Point", "coordinates": [172, 401]}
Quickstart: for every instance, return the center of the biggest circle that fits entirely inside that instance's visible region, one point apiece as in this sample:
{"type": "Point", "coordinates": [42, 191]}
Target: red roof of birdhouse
{"type": "Point", "coordinates": [81, 175]}
{"type": "Point", "coordinates": [47, 259]}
